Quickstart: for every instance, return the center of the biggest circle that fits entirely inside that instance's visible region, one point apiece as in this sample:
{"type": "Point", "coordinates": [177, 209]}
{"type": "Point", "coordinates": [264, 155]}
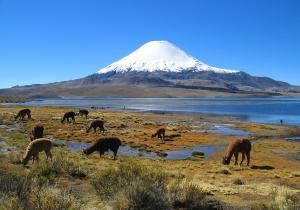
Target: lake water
{"type": "Point", "coordinates": [260, 110]}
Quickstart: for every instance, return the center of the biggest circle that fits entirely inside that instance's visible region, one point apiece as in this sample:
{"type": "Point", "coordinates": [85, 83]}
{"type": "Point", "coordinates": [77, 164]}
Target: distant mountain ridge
{"type": "Point", "coordinates": [160, 69]}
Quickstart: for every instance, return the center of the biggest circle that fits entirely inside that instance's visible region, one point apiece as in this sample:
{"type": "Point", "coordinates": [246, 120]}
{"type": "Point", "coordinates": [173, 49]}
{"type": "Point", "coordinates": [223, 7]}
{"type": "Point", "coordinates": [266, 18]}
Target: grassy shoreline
{"type": "Point", "coordinates": [135, 129]}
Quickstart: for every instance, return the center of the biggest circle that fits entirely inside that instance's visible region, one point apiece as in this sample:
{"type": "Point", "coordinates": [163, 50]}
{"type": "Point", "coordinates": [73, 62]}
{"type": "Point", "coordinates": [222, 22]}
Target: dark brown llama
{"type": "Point", "coordinates": [83, 112]}
{"type": "Point", "coordinates": [96, 124]}
{"type": "Point", "coordinates": [103, 145]}
{"type": "Point", "coordinates": [234, 148]}
{"type": "Point", "coordinates": [22, 113]}
{"type": "Point", "coordinates": [37, 132]}
{"type": "Point", "coordinates": [67, 116]}
{"type": "Point", "coordinates": [160, 133]}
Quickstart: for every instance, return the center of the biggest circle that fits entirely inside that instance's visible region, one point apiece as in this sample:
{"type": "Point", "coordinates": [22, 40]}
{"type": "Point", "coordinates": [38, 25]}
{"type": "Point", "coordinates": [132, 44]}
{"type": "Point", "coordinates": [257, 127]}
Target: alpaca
{"type": "Point", "coordinates": [234, 148]}
{"type": "Point", "coordinates": [35, 147]}
{"type": "Point", "coordinates": [160, 133]}
{"type": "Point", "coordinates": [22, 113]}
{"type": "Point", "coordinates": [96, 124]}
{"type": "Point", "coordinates": [104, 144]}
{"type": "Point", "coordinates": [83, 112]}
{"type": "Point", "coordinates": [37, 132]}
{"type": "Point", "coordinates": [68, 115]}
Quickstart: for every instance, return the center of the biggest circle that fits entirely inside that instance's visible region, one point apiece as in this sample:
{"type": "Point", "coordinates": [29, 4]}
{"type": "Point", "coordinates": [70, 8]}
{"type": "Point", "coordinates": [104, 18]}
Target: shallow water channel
{"type": "Point", "coordinates": [129, 151]}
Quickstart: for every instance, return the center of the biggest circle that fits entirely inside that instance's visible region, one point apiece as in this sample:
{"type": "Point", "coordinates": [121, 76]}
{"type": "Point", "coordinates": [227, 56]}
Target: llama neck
{"type": "Point", "coordinates": [91, 149]}
{"type": "Point", "coordinates": [229, 155]}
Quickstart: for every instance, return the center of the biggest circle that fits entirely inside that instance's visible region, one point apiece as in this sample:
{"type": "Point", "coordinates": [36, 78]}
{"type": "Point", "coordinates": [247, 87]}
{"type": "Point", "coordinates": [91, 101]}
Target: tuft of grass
{"type": "Point", "coordinates": [225, 171]}
{"type": "Point", "coordinates": [238, 181]}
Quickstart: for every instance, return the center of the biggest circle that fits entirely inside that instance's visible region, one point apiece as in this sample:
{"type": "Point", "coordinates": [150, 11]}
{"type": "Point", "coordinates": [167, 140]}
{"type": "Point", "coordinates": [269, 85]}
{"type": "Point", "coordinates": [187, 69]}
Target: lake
{"type": "Point", "coordinates": [260, 110]}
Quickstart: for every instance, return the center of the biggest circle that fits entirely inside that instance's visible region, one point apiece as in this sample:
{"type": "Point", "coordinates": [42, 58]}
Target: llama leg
{"type": "Point", "coordinates": [115, 153]}
{"type": "Point", "coordinates": [37, 158]}
{"type": "Point", "coordinates": [49, 154]}
{"type": "Point", "coordinates": [248, 158]}
{"type": "Point", "coordinates": [236, 155]}
{"type": "Point", "coordinates": [243, 158]}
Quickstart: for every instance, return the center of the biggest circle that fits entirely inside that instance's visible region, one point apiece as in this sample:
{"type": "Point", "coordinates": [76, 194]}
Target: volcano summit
{"type": "Point", "coordinates": [160, 56]}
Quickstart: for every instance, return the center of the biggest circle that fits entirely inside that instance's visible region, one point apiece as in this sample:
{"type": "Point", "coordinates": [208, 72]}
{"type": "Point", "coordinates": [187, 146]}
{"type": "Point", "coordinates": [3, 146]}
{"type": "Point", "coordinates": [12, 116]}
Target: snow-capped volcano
{"type": "Point", "coordinates": [160, 56]}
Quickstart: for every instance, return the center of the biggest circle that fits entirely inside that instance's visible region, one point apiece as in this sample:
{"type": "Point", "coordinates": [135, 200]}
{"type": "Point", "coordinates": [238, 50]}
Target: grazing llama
{"type": "Point", "coordinates": [35, 147]}
{"type": "Point", "coordinates": [37, 132]}
{"type": "Point", "coordinates": [234, 148]}
{"type": "Point", "coordinates": [96, 124]}
{"type": "Point", "coordinates": [103, 145]}
{"type": "Point", "coordinates": [160, 133]}
{"type": "Point", "coordinates": [22, 113]}
{"type": "Point", "coordinates": [67, 116]}
{"type": "Point", "coordinates": [83, 112]}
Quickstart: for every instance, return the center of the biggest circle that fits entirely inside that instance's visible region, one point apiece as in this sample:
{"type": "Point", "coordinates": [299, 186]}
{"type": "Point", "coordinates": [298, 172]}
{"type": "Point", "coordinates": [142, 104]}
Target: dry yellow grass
{"type": "Point", "coordinates": [276, 161]}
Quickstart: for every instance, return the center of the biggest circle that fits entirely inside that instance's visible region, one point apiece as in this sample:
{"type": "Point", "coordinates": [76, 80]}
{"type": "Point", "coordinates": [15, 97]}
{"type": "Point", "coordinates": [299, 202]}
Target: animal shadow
{"type": "Point", "coordinates": [262, 167]}
{"type": "Point", "coordinates": [171, 137]}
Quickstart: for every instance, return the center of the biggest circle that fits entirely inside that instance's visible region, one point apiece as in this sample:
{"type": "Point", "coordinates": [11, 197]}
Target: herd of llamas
{"type": "Point", "coordinates": [39, 143]}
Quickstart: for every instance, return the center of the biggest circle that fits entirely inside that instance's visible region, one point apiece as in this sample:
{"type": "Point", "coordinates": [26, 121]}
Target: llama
{"type": "Point", "coordinates": [37, 132]}
{"type": "Point", "coordinates": [234, 148]}
{"type": "Point", "coordinates": [67, 116]}
{"type": "Point", "coordinates": [96, 124]}
{"type": "Point", "coordinates": [22, 113]}
{"type": "Point", "coordinates": [83, 112]}
{"type": "Point", "coordinates": [160, 133]}
{"type": "Point", "coordinates": [104, 144]}
{"type": "Point", "coordinates": [35, 147]}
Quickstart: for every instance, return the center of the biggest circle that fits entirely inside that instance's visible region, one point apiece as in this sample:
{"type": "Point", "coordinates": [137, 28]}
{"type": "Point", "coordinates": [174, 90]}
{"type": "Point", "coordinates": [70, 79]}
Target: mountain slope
{"type": "Point", "coordinates": [160, 69]}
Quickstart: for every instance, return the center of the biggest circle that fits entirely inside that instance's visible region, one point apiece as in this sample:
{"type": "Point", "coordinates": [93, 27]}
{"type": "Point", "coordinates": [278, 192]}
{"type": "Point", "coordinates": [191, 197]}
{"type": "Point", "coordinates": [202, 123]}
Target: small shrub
{"type": "Point", "coordinates": [133, 187]}
{"type": "Point", "coordinates": [75, 170]}
{"type": "Point", "coordinates": [59, 165]}
{"type": "Point", "coordinates": [238, 181]}
{"type": "Point", "coordinates": [225, 171]}
{"type": "Point", "coordinates": [15, 185]}
{"type": "Point", "coordinates": [190, 197]}
{"type": "Point", "coordinates": [53, 198]}
{"type": "Point", "coordinates": [290, 202]}
{"type": "Point", "coordinates": [142, 196]}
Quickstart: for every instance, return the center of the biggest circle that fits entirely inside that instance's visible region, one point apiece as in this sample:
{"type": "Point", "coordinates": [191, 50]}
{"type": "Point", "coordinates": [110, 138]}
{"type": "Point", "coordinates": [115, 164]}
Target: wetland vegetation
{"type": "Point", "coordinates": [76, 181]}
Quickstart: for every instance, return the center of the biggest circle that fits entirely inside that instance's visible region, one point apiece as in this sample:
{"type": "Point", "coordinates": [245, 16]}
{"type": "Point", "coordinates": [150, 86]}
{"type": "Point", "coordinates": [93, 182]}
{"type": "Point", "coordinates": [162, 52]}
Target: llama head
{"type": "Point", "coordinates": [225, 160]}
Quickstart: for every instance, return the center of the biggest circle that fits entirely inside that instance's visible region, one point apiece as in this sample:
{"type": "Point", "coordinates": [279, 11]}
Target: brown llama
{"type": "Point", "coordinates": [35, 147]}
{"type": "Point", "coordinates": [103, 145]}
{"type": "Point", "coordinates": [37, 132]}
{"type": "Point", "coordinates": [160, 133]}
{"type": "Point", "coordinates": [96, 124]}
{"type": "Point", "coordinates": [67, 116]}
{"type": "Point", "coordinates": [22, 113]}
{"type": "Point", "coordinates": [83, 112]}
{"type": "Point", "coordinates": [234, 148]}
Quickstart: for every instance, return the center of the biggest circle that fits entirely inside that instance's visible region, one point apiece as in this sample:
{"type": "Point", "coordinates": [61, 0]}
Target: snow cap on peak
{"type": "Point", "coordinates": [160, 56]}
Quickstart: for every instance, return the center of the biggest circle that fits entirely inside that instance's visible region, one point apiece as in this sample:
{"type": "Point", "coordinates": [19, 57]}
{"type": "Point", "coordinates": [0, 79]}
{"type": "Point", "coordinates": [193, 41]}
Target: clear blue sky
{"type": "Point", "coordinates": [45, 41]}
